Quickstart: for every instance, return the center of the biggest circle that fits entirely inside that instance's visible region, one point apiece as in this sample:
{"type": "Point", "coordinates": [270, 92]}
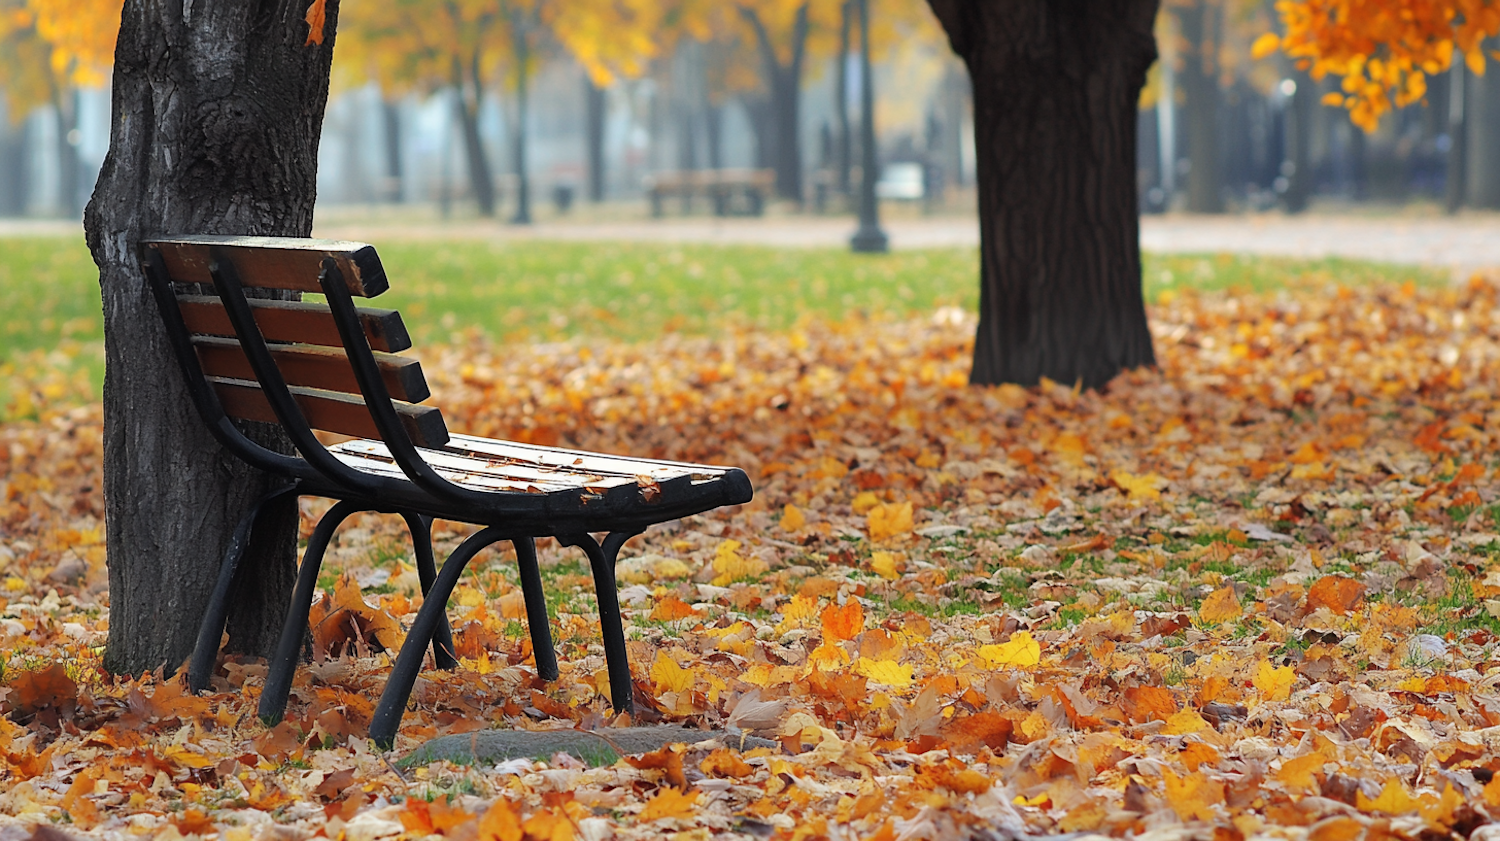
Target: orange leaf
{"type": "Point", "coordinates": [500, 822]}
{"type": "Point", "coordinates": [316, 14]}
{"type": "Point", "coordinates": [724, 762]}
{"type": "Point", "coordinates": [669, 803]}
{"type": "Point", "coordinates": [1145, 703]}
{"type": "Point", "coordinates": [548, 826]}
{"type": "Point", "coordinates": [1298, 773]}
{"type": "Point", "coordinates": [671, 609]}
{"type": "Point", "coordinates": [1337, 593]}
{"type": "Point", "coordinates": [843, 623]}
{"type": "Point", "coordinates": [1221, 605]}
{"type": "Point", "coordinates": [1193, 796]}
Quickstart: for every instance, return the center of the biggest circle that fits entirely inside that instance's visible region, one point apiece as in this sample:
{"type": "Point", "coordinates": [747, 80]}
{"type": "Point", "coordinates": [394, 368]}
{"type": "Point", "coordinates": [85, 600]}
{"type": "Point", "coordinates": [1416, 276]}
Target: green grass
{"type": "Point", "coordinates": [50, 318]}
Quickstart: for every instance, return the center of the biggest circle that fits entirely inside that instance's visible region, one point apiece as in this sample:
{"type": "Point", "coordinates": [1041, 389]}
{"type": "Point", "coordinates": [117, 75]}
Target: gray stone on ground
{"type": "Point", "coordinates": [488, 747]}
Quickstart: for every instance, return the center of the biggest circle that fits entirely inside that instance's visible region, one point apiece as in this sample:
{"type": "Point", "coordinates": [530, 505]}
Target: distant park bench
{"type": "Point", "coordinates": [334, 366]}
{"type": "Point", "coordinates": [732, 192]}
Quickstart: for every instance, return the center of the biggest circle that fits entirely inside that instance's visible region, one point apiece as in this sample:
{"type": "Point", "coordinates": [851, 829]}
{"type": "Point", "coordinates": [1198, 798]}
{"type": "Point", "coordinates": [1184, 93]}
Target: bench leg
{"type": "Point", "coordinates": [602, 560]}
{"type": "Point", "coordinates": [387, 718]}
{"type": "Point", "coordinates": [443, 652]}
{"type": "Point", "coordinates": [283, 667]}
{"type": "Point", "coordinates": [206, 652]}
{"type": "Point", "coordinates": [536, 609]}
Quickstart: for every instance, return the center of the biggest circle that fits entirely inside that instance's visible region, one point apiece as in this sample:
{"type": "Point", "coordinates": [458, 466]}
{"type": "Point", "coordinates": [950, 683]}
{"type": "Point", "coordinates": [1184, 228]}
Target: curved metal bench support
{"type": "Point", "coordinates": [536, 608]}
{"type": "Point", "coordinates": [602, 561]}
{"type": "Point", "coordinates": [420, 525]}
{"type": "Point", "coordinates": [211, 630]}
{"type": "Point", "coordinates": [283, 666]}
{"type": "Point", "coordinates": [398, 686]}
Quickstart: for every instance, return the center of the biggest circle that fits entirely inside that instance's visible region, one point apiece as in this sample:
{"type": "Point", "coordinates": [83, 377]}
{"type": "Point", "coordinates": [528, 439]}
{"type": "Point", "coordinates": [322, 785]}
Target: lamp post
{"type": "Point", "coordinates": [869, 239]}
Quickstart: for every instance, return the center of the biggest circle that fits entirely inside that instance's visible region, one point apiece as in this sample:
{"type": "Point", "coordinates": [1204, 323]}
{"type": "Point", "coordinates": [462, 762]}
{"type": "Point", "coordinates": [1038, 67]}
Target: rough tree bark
{"type": "Point", "coordinates": [1055, 85]}
{"type": "Point", "coordinates": [785, 87]}
{"type": "Point", "coordinates": [216, 116]}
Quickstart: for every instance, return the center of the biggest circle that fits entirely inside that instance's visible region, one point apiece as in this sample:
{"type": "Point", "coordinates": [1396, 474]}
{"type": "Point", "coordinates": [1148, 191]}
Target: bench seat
{"type": "Point", "coordinates": [547, 491]}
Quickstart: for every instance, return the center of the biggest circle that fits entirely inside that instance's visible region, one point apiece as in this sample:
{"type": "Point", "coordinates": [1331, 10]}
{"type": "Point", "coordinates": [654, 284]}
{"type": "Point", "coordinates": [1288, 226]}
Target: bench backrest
{"type": "Point", "coordinates": [302, 337]}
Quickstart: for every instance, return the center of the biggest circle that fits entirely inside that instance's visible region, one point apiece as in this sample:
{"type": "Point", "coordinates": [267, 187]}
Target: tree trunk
{"type": "Point", "coordinates": [469, 95]}
{"type": "Point", "coordinates": [1297, 167]}
{"type": "Point", "coordinates": [1055, 86]}
{"type": "Point", "coordinates": [595, 102]}
{"type": "Point", "coordinates": [215, 127]}
{"type": "Point", "coordinates": [518, 148]}
{"type": "Point", "coordinates": [1482, 116]}
{"type": "Point", "coordinates": [1456, 178]}
{"type": "Point", "coordinates": [65, 101]}
{"type": "Point", "coordinates": [390, 113]}
{"type": "Point", "coordinates": [784, 82]}
{"type": "Point", "coordinates": [1200, 84]}
{"type": "Point", "coordinates": [845, 150]}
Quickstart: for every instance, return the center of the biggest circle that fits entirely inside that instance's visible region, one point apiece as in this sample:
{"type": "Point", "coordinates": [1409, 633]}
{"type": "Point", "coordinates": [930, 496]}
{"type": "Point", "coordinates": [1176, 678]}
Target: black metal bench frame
{"type": "Point", "coordinates": [420, 494]}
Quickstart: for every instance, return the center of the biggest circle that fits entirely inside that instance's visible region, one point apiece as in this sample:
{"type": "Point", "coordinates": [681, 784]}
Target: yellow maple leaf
{"type": "Point", "coordinates": [1192, 796]}
{"type": "Point", "coordinates": [1222, 605]}
{"type": "Point", "coordinates": [888, 672]}
{"type": "Point", "coordinates": [1299, 772]}
{"type": "Point", "coordinates": [885, 565]}
{"type": "Point", "coordinates": [1184, 722]}
{"type": "Point", "coordinates": [829, 655]}
{"type": "Point", "coordinates": [668, 676]}
{"type": "Point", "coordinates": [669, 803]}
{"type": "Point", "coordinates": [731, 566]}
{"type": "Point", "coordinates": [1274, 683]}
{"type": "Point", "coordinates": [792, 518]}
{"type": "Point", "coordinates": [864, 501]}
{"type": "Point", "coordinates": [1144, 486]}
{"type": "Point", "coordinates": [1020, 651]}
{"type": "Point", "coordinates": [889, 521]}
{"type": "Point", "coordinates": [1394, 799]}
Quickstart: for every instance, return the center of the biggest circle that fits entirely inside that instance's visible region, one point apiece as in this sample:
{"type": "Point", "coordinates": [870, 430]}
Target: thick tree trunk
{"type": "Point", "coordinates": [1200, 86]}
{"type": "Point", "coordinates": [469, 96]}
{"type": "Point", "coordinates": [1055, 85]}
{"type": "Point", "coordinates": [215, 126]}
{"type": "Point", "coordinates": [595, 102]}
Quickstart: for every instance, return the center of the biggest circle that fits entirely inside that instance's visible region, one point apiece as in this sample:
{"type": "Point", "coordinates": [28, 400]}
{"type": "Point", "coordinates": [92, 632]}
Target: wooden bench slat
{"type": "Point", "coordinates": [449, 461]}
{"type": "Point", "coordinates": [330, 411]}
{"type": "Point", "coordinates": [295, 321]}
{"type": "Point", "coordinates": [312, 367]}
{"type": "Point", "coordinates": [274, 262]}
{"type": "Point", "coordinates": [473, 478]}
{"type": "Point", "coordinates": [580, 459]}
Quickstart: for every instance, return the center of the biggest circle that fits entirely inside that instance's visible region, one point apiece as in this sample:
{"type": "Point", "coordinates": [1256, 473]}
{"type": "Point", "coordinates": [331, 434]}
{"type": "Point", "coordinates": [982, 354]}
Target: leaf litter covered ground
{"type": "Point", "coordinates": [1251, 593]}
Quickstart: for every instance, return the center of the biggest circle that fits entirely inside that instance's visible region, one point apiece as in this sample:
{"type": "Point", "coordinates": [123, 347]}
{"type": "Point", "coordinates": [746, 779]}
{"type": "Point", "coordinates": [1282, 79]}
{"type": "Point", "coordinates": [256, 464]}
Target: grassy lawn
{"type": "Point", "coordinates": [50, 321]}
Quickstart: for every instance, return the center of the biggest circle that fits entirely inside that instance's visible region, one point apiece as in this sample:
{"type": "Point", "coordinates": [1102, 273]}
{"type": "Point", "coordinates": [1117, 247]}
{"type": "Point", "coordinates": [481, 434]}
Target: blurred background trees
{"type": "Point", "coordinates": [522, 106]}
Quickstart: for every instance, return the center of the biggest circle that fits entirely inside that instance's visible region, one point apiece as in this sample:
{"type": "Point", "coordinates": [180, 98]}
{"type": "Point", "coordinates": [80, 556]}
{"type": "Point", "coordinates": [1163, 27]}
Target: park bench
{"type": "Point", "coordinates": [334, 367]}
{"type": "Point", "coordinates": [739, 192]}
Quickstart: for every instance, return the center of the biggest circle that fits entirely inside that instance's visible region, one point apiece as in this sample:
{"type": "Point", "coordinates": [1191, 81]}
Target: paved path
{"type": "Point", "coordinates": [1466, 243]}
